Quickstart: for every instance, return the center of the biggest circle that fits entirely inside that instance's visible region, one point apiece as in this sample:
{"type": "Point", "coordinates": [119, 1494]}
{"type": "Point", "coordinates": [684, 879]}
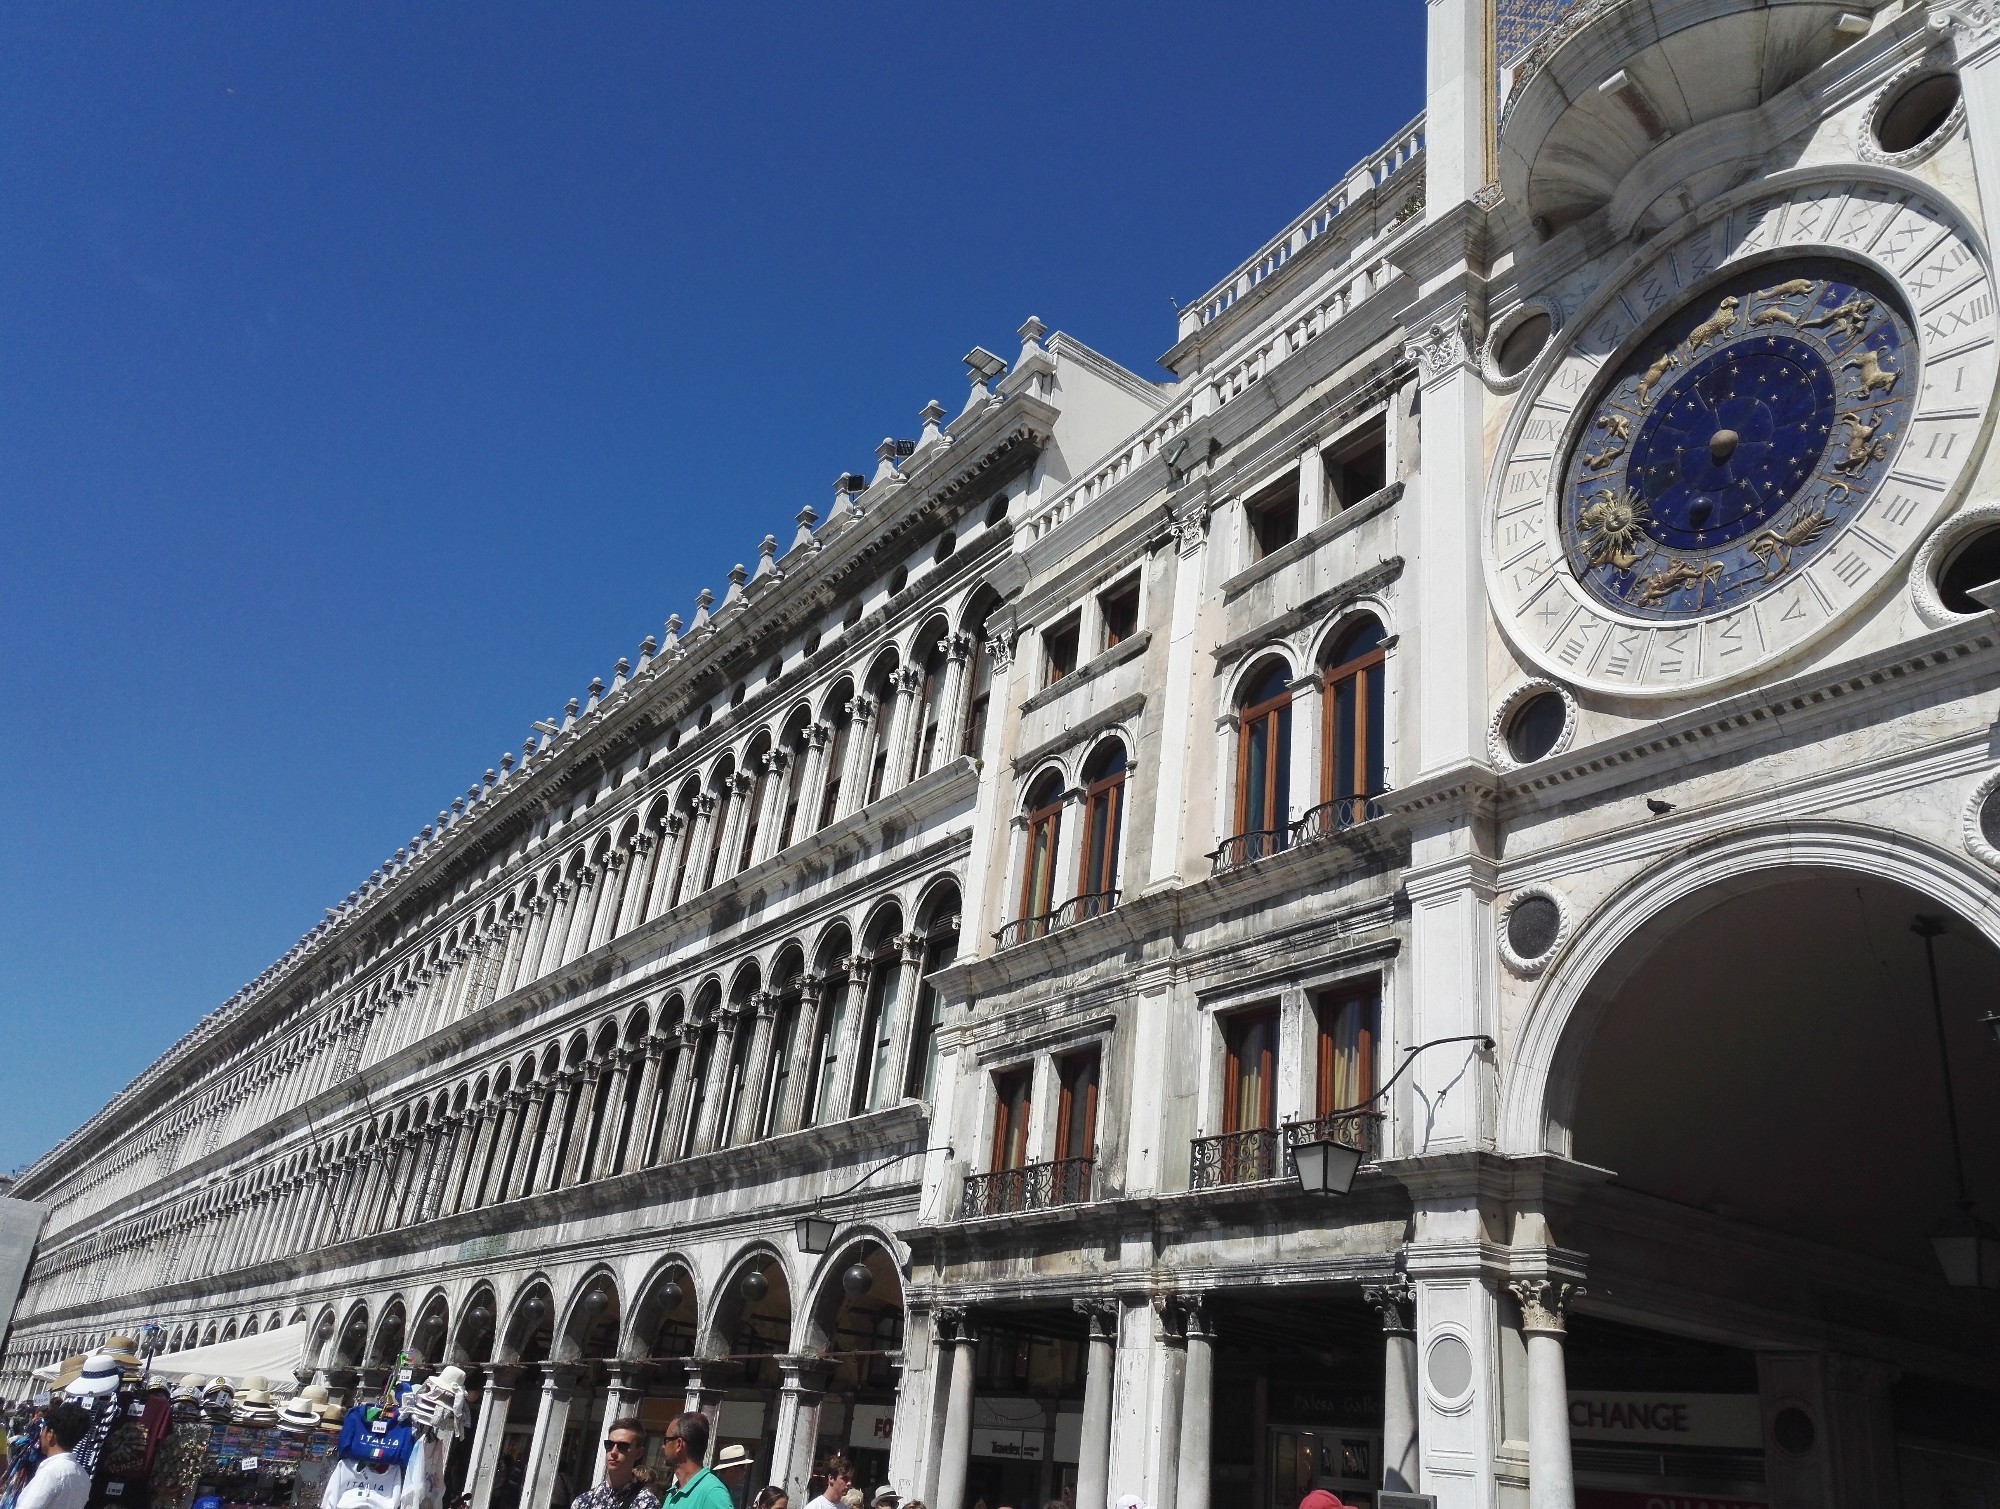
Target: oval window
{"type": "Point", "coordinates": [1917, 113]}
{"type": "Point", "coordinates": [1535, 727]}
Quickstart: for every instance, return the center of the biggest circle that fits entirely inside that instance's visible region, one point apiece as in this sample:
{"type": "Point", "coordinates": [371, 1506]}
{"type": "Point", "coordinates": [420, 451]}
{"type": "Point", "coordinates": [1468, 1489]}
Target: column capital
{"type": "Point", "coordinates": [1394, 1302]}
{"type": "Point", "coordinates": [1542, 1302]}
{"type": "Point", "coordinates": [953, 1323]}
{"type": "Point", "coordinates": [1102, 1313]}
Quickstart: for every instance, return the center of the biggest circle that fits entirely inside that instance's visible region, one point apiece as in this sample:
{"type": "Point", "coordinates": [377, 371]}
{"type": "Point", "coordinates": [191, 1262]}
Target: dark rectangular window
{"type": "Point", "coordinates": [1120, 606]}
{"type": "Point", "coordinates": [1010, 1118]}
{"type": "Point", "coordinates": [1059, 646]}
{"type": "Point", "coordinates": [1250, 1090]}
{"type": "Point", "coordinates": [1076, 1113]}
{"type": "Point", "coordinates": [1273, 516]}
{"type": "Point", "coordinates": [1357, 466]}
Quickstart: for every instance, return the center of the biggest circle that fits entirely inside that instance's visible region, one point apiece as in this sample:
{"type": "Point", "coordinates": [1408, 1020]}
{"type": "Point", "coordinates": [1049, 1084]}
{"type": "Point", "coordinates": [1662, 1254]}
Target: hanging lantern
{"type": "Point", "coordinates": [671, 1295]}
{"type": "Point", "coordinates": [857, 1280]}
{"type": "Point", "coordinates": [479, 1317]}
{"type": "Point", "coordinates": [595, 1301]}
{"type": "Point", "coordinates": [535, 1308]}
{"type": "Point", "coordinates": [755, 1286]}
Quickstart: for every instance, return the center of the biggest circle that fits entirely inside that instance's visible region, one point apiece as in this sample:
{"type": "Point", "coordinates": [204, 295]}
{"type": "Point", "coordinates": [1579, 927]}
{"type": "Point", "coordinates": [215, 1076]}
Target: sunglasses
{"type": "Point", "coordinates": [621, 1445]}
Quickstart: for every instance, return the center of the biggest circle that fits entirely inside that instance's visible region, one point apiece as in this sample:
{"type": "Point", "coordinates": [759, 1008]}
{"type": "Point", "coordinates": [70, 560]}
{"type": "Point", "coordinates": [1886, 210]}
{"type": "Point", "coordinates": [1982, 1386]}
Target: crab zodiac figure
{"type": "Point", "coordinates": [1774, 547]}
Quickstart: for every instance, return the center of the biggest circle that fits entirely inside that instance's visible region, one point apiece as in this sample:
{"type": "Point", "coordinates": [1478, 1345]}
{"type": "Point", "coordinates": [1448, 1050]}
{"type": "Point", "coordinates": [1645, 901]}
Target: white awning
{"type": "Point", "coordinates": [270, 1355]}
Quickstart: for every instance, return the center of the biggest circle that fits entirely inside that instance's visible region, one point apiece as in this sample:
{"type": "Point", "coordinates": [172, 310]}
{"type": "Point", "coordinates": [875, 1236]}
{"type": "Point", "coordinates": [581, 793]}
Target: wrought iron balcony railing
{"type": "Point", "coordinates": [1266, 1152]}
{"type": "Point", "coordinates": [1038, 1186]}
{"type": "Point", "coordinates": [1076, 909]}
{"type": "Point", "coordinates": [1236, 1158]}
{"type": "Point", "coordinates": [1323, 821]}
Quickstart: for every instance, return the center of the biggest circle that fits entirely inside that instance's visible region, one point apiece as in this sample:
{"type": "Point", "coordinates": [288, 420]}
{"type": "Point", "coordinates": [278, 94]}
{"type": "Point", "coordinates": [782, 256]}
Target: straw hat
{"type": "Point", "coordinates": [330, 1418]}
{"type": "Point", "coordinates": [100, 1374]}
{"type": "Point", "coordinates": [126, 1350]}
{"type": "Point", "coordinates": [298, 1415]}
{"type": "Point", "coordinates": [260, 1397]}
{"type": "Point", "coordinates": [256, 1383]}
{"type": "Point", "coordinates": [444, 1381]}
{"type": "Point", "coordinates": [733, 1455]}
{"type": "Point", "coordinates": [66, 1372]}
{"type": "Point", "coordinates": [315, 1394]}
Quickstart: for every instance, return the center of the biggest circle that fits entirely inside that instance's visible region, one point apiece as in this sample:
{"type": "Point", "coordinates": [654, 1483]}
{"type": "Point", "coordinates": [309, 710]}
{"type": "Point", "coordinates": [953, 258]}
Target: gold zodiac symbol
{"type": "Point", "coordinates": [1796, 288]}
{"type": "Point", "coordinates": [1613, 524]}
{"type": "Point", "coordinates": [1619, 429]}
{"type": "Point", "coordinates": [1657, 588]}
{"type": "Point", "coordinates": [1873, 374]}
{"type": "Point", "coordinates": [1774, 547]}
{"type": "Point", "coordinates": [1715, 326]}
{"type": "Point", "coordinates": [1667, 362]}
{"type": "Point", "coordinates": [1848, 319]}
{"type": "Point", "coordinates": [1862, 446]}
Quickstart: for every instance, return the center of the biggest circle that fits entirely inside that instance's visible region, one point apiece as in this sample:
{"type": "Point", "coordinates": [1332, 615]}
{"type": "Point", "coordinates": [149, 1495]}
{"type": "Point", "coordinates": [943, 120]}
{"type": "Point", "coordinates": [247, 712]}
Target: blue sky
{"type": "Point", "coordinates": [373, 375]}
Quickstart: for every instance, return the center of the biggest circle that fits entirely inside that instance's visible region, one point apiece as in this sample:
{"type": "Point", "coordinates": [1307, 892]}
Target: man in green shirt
{"type": "Point", "coordinates": [693, 1486]}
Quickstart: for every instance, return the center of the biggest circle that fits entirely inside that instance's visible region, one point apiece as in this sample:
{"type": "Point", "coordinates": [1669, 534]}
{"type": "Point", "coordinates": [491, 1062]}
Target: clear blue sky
{"type": "Point", "coordinates": [371, 376]}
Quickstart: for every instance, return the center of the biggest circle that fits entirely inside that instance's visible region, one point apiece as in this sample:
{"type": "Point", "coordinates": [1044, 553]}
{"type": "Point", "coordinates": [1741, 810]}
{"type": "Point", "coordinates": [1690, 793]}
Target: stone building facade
{"type": "Point", "coordinates": [1515, 711]}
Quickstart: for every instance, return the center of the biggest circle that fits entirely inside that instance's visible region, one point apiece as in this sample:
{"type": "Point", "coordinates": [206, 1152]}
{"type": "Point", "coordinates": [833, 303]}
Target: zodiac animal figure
{"type": "Point", "coordinates": [1679, 573]}
{"type": "Point", "coordinates": [1618, 430]}
{"type": "Point", "coordinates": [1654, 374]}
{"type": "Point", "coordinates": [1715, 326]}
{"type": "Point", "coordinates": [1774, 547]}
{"type": "Point", "coordinates": [1848, 320]}
{"type": "Point", "coordinates": [1862, 446]}
{"type": "Point", "coordinates": [1612, 524]}
{"type": "Point", "coordinates": [1873, 374]}
{"type": "Point", "coordinates": [1795, 288]}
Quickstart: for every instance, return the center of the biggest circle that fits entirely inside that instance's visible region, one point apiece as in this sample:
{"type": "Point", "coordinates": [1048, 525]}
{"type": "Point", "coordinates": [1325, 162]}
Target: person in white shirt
{"type": "Point", "coordinates": [60, 1481]}
{"type": "Point", "coordinates": [839, 1477]}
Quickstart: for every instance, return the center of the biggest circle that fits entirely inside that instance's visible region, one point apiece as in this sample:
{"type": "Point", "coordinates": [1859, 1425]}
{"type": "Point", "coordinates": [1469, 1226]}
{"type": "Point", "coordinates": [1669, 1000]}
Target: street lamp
{"type": "Point", "coordinates": [1327, 1167]}
{"type": "Point", "coordinates": [814, 1232]}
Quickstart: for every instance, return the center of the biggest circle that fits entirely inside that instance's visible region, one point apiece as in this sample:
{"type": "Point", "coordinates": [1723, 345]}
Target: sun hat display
{"type": "Point", "coordinates": [100, 1374]}
{"type": "Point", "coordinates": [298, 1415]}
{"type": "Point", "coordinates": [253, 1406]}
{"type": "Point", "coordinates": [126, 1350]}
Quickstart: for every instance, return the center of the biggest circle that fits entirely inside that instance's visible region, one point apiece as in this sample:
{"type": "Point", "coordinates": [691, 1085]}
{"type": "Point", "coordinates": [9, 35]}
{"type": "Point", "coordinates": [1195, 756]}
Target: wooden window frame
{"type": "Point", "coordinates": [1272, 711]}
{"type": "Point", "coordinates": [1236, 1026]}
{"type": "Point", "coordinates": [1360, 671]}
{"type": "Point", "coordinates": [1011, 1122]}
{"type": "Point", "coordinates": [1045, 817]}
{"type": "Point", "coordinates": [1111, 789]}
{"type": "Point", "coordinates": [1068, 1068]}
{"type": "Point", "coordinates": [1327, 1005]}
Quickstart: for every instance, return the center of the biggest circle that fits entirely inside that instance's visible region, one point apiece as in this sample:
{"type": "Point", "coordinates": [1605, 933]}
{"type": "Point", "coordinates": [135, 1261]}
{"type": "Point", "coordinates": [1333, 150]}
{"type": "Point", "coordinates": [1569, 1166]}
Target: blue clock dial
{"type": "Point", "coordinates": [1732, 445]}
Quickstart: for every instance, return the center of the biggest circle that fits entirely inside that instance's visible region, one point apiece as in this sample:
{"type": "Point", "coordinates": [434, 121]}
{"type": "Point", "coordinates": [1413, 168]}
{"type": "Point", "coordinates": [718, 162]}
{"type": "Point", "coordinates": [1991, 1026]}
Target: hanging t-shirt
{"type": "Point", "coordinates": [363, 1485]}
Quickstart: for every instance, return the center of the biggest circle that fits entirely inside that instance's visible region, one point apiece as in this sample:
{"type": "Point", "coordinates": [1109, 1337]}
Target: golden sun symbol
{"type": "Point", "coordinates": [1613, 524]}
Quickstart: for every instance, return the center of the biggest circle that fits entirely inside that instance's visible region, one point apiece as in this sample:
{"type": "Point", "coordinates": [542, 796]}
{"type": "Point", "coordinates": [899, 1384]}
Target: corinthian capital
{"type": "Point", "coordinates": [1542, 1302]}
{"type": "Point", "coordinates": [1448, 343]}
{"type": "Point", "coordinates": [1394, 1303]}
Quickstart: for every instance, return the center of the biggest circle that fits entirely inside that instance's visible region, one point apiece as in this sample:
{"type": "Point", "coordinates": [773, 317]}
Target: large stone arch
{"type": "Point", "coordinates": [1538, 1089]}
{"type": "Point", "coordinates": [668, 1298]}
{"type": "Point", "coordinates": [728, 1303]}
{"type": "Point", "coordinates": [830, 1297]}
{"type": "Point", "coordinates": [591, 1316]}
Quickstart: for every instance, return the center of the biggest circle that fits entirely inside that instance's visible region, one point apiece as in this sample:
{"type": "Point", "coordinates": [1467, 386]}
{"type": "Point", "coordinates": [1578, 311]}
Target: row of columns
{"type": "Point", "coordinates": [1176, 1469]}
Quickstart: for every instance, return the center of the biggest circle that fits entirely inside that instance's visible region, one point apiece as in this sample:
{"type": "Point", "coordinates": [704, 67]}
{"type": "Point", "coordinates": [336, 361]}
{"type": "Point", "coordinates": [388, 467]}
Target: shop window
{"type": "Point", "coordinates": [1357, 466]}
{"type": "Point", "coordinates": [1012, 1091]}
{"type": "Point", "coordinates": [1038, 873]}
{"type": "Point", "coordinates": [1273, 517]}
{"type": "Point", "coordinates": [1250, 1083]}
{"type": "Point", "coordinates": [1059, 646]}
{"type": "Point", "coordinates": [1103, 811]}
{"type": "Point", "coordinates": [1120, 609]}
{"type": "Point", "coordinates": [1264, 752]}
{"type": "Point", "coordinates": [1076, 1111]}
{"type": "Point", "coordinates": [1352, 739]}
{"type": "Point", "coordinates": [1348, 1019]}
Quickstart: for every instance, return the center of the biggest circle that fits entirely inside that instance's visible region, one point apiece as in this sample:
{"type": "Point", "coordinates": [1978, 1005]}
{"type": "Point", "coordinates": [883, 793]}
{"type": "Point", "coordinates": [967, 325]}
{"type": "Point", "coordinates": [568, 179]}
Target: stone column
{"type": "Point", "coordinates": [545, 1448]}
{"type": "Point", "coordinates": [610, 898]}
{"type": "Point", "coordinates": [638, 882]}
{"type": "Point", "coordinates": [464, 1191]}
{"type": "Point", "coordinates": [660, 894]}
{"type": "Point", "coordinates": [951, 699]}
{"type": "Point", "coordinates": [711, 1133]}
{"type": "Point", "coordinates": [854, 778]}
{"type": "Point", "coordinates": [955, 1451]}
{"type": "Point", "coordinates": [756, 1069]}
{"type": "Point", "coordinates": [486, 1437]}
{"type": "Point", "coordinates": [539, 912]}
{"type": "Point", "coordinates": [847, 1065]}
{"type": "Point", "coordinates": [1197, 1406]}
{"type": "Point", "coordinates": [1395, 1303]}
{"type": "Point", "coordinates": [510, 961]}
{"type": "Point", "coordinates": [1093, 1468]}
{"type": "Point", "coordinates": [576, 937]}
{"type": "Point", "coordinates": [673, 1134]}
{"type": "Point", "coordinates": [619, 1393]}
{"type": "Point", "coordinates": [805, 1040]}
{"type": "Point", "coordinates": [605, 1164]}
{"type": "Point", "coordinates": [771, 820]}
{"type": "Point", "coordinates": [695, 857]}
{"type": "Point", "coordinates": [555, 938]}
{"type": "Point", "coordinates": [702, 1398]}
{"type": "Point", "coordinates": [797, 1428]}
{"type": "Point", "coordinates": [524, 1179]}
{"type": "Point", "coordinates": [812, 786]}
{"type": "Point", "coordinates": [731, 849]}
{"type": "Point", "coordinates": [903, 1029]}
{"type": "Point", "coordinates": [644, 1107]}
{"type": "Point", "coordinates": [904, 730]}
{"type": "Point", "coordinates": [489, 1178]}
{"type": "Point", "coordinates": [584, 1097]}
{"type": "Point", "coordinates": [548, 1174]}
{"type": "Point", "coordinates": [1542, 1301]}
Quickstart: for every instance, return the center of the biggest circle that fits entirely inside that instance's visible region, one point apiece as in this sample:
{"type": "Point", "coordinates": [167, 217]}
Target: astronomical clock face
{"type": "Point", "coordinates": [1723, 462]}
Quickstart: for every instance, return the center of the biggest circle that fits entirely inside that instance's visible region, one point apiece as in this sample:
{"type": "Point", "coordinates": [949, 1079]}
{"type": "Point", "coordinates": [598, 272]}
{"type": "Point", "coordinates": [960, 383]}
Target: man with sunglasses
{"type": "Point", "coordinates": [624, 1450]}
{"type": "Point", "coordinates": [694, 1486]}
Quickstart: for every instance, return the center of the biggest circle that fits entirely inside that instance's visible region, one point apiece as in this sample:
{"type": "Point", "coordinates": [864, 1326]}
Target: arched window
{"type": "Point", "coordinates": [930, 695]}
{"type": "Point", "coordinates": [841, 716]}
{"type": "Point", "coordinates": [1264, 761]}
{"type": "Point", "coordinates": [825, 1060]}
{"type": "Point", "coordinates": [758, 764]}
{"type": "Point", "coordinates": [877, 1083]}
{"type": "Point", "coordinates": [1103, 814]}
{"type": "Point", "coordinates": [687, 808]}
{"type": "Point", "coordinates": [788, 976]}
{"type": "Point", "coordinates": [940, 928]}
{"type": "Point", "coordinates": [798, 743]}
{"type": "Point", "coordinates": [722, 788]}
{"type": "Point", "coordinates": [1352, 766]}
{"type": "Point", "coordinates": [738, 1067]}
{"type": "Point", "coordinates": [978, 679]}
{"type": "Point", "coordinates": [1038, 869]}
{"type": "Point", "coordinates": [705, 1010]}
{"type": "Point", "coordinates": [884, 689]}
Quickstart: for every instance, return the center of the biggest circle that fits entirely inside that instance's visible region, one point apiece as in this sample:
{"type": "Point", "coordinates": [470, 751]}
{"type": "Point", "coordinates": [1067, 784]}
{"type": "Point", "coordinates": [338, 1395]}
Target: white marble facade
{"type": "Point", "coordinates": [1130, 781]}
